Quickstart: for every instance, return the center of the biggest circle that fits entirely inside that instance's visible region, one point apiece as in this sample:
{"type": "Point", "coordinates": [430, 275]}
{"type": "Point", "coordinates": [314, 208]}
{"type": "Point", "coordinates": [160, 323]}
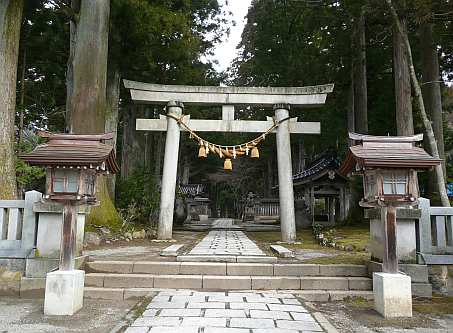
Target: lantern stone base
{"type": "Point", "coordinates": [392, 295]}
{"type": "Point", "coordinates": [64, 292]}
{"type": "Point", "coordinates": [406, 237]}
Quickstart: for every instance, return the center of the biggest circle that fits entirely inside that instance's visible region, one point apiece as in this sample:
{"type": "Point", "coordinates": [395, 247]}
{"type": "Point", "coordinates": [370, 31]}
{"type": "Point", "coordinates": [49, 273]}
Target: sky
{"type": "Point", "coordinates": [226, 51]}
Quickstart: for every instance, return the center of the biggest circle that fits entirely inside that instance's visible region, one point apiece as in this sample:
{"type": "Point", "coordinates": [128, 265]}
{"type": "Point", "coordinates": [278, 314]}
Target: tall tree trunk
{"type": "Point", "coordinates": [159, 154]}
{"type": "Point", "coordinates": [10, 24]}
{"type": "Point", "coordinates": [404, 119]}
{"type": "Point", "coordinates": [75, 5]}
{"type": "Point", "coordinates": [431, 85]}
{"type": "Point", "coordinates": [186, 171]}
{"type": "Point", "coordinates": [301, 155]}
{"type": "Point", "coordinates": [22, 96]}
{"type": "Point", "coordinates": [360, 83]}
{"type": "Point", "coordinates": [350, 111]}
{"type": "Point", "coordinates": [125, 149]}
{"type": "Point", "coordinates": [440, 179]}
{"type": "Point", "coordinates": [111, 116]}
{"type": "Point", "coordinates": [88, 100]}
{"type": "Point", "coordinates": [88, 103]}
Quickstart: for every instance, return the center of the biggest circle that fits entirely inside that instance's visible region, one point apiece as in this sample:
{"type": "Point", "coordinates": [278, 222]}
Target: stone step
{"type": "Point", "coordinates": [227, 258]}
{"type": "Point", "coordinates": [215, 268]}
{"type": "Point", "coordinates": [307, 295]}
{"type": "Point", "coordinates": [282, 251]}
{"type": "Point", "coordinates": [217, 282]}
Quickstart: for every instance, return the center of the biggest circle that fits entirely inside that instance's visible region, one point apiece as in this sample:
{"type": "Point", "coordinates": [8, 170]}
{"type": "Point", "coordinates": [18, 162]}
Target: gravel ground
{"type": "Point", "coordinates": [352, 317]}
{"type": "Point", "coordinates": [141, 249]}
{"type": "Point", "coordinates": [26, 316]}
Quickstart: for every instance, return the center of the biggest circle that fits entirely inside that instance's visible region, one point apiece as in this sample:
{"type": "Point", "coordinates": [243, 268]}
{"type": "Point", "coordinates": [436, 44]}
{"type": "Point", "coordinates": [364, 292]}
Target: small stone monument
{"type": "Point", "coordinates": [389, 168]}
{"type": "Point", "coordinates": [72, 162]}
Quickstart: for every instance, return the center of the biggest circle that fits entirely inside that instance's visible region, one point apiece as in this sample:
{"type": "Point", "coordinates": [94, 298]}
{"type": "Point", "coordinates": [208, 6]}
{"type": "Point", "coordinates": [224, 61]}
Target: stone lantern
{"type": "Point", "coordinates": [389, 168]}
{"type": "Point", "coordinates": [73, 163]}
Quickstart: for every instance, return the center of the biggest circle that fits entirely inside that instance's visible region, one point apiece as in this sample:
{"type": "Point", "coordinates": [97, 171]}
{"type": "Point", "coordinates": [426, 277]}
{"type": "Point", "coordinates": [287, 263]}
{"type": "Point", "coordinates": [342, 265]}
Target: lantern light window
{"type": "Point", "coordinates": [395, 184]}
{"type": "Point", "coordinates": [65, 181]}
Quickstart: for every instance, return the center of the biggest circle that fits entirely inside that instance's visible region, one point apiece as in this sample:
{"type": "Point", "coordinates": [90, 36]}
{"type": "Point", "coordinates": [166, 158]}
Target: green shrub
{"type": "Point", "coordinates": [137, 199]}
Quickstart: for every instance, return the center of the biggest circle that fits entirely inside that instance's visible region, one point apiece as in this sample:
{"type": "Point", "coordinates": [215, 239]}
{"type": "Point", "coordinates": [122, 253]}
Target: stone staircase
{"type": "Point", "coordinates": [127, 279]}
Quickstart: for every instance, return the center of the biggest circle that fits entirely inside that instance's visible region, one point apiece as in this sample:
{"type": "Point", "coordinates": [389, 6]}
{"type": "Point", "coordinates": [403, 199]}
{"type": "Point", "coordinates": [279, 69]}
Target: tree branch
{"type": "Point", "coordinates": [418, 94]}
{"type": "Point", "coordinates": [70, 12]}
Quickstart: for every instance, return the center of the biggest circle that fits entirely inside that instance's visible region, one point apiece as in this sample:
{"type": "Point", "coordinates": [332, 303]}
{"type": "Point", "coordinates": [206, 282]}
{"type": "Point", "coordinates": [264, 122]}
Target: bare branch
{"type": "Point", "coordinates": [418, 94]}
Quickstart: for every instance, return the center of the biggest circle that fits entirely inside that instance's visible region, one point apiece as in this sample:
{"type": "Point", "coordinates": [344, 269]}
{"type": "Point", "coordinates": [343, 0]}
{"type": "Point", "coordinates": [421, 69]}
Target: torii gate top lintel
{"type": "Point", "coordinates": [310, 96]}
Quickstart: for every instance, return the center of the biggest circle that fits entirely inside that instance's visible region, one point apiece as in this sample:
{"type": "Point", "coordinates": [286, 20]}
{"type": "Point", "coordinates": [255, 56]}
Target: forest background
{"type": "Point", "coordinates": [62, 47]}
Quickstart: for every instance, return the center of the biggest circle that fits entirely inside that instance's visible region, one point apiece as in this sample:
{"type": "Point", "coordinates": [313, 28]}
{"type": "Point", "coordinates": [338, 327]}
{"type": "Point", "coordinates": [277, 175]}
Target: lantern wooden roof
{"type": "Point", "coordinates": [72, 150]}
{"type": "Point", "coordinates": [387, 152]}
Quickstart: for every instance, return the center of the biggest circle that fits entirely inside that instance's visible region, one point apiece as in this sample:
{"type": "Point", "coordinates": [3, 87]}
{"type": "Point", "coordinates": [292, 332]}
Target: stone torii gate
{"type": "Point", "coordinates": [280, 98]}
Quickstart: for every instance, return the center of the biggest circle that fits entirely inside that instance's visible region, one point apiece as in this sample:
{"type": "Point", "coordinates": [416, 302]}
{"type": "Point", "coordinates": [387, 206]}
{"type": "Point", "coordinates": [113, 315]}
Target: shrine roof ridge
{"type": "Point", "coordinates": [375, 138]}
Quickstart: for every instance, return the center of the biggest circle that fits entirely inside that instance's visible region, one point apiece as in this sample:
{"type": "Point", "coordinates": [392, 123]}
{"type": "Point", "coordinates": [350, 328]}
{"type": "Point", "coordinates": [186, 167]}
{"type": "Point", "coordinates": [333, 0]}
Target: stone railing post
{"type": "Point", "coordinates": [167, 196]}
{"type": "Point", "coordinates": [29, 220]}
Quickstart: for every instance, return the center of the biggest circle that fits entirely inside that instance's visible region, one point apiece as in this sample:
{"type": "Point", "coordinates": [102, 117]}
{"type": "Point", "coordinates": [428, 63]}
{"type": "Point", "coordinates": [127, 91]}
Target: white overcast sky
{"type": "Point", "coordinates": [226, 51]}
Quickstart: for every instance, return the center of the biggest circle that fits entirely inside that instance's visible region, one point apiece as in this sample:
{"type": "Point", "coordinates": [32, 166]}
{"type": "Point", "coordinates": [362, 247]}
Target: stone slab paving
{"type": "Point", "coordinates": [226, 242]}
{"type": "Point", "coordinates": [223, 223]}
{"type": "Point", "coordinates": [183, 311]}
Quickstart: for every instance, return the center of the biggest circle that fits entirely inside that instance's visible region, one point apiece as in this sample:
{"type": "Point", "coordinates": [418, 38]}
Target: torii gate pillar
{"type": "Point", "coordinates": [285, 175]}
{"type": "Point", "coordinates": [167, 196]}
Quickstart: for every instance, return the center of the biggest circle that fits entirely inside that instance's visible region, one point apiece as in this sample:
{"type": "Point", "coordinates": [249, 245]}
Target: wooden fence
{"type": "Point", "coordinates": [435, 234]}
{"type": "Point", "coordinates": [18, 226]}
{"type": "Point", "coordinates": [262, 209]}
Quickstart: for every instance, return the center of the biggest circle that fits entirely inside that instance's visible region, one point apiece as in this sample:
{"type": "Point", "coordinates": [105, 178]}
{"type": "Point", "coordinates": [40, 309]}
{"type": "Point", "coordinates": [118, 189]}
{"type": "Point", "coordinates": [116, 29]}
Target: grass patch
{"type": "Point", "coordinates": [352, 258]}
{"type": "Point", "coordinates": [438, 305]}
{"type": "Point", "coordinates": [357, 234]}
{"type": "Point", "coordinates": [140, 307]}
{"type": "Point", "coordinates": [271, 237]}
{"type": "Point", "coordinates": [358, 302]}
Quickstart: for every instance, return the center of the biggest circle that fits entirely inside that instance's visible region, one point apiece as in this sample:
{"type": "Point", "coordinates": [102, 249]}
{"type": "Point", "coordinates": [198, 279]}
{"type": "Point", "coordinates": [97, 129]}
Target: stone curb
{"type": "Point", "coordinates": [322, 320]}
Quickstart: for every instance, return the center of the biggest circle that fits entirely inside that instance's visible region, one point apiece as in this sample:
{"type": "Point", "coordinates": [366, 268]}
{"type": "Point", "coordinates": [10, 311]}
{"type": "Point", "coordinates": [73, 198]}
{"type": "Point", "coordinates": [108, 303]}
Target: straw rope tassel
{"type": "Point", "coordinates": [224, 152]}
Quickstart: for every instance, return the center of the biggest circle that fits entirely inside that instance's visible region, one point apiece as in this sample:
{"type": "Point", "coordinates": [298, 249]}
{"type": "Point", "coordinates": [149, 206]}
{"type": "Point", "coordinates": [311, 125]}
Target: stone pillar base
{"type": "Point", "coordinates": [64, 292]}
{"type": "Point", "coordinates": [392, 295]}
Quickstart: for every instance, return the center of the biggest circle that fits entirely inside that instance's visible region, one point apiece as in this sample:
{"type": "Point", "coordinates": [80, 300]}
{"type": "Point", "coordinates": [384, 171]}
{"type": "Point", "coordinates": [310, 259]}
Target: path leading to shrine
{"type": "Point", "coordinates": [223, 223]}
{"type": "Point", "coordinates": [226, 242]}
{"type": "Point", "coordinates": [186, 311]}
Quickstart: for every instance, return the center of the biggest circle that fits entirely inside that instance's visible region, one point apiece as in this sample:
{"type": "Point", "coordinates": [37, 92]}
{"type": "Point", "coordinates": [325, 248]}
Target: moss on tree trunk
{"type": "Point", "coordinates": [10, 23]}
{"type": "Point", "coordinates": [87, 94]}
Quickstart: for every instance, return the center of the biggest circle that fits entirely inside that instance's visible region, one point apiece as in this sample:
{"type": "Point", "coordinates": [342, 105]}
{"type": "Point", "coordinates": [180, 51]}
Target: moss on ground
{"type": "Point", "coordinates": [353, 258]}
{"type": "Point", "coordinates": [271, 237]}
{"type": "Point", "coordinates": [140, 307]}
{"type": "Point", "coordinates": [358, 235]}
{"type": "Point", "coordinates": [438, 305]}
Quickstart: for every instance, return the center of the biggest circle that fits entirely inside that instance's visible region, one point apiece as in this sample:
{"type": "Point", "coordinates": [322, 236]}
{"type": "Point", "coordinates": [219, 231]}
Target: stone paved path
{"type": "Point", "coordinates": [226, 242]}
{"type": "Point", "coordinates": [186, 311]}
{"type": "Point", "coordinates": [223, 223]}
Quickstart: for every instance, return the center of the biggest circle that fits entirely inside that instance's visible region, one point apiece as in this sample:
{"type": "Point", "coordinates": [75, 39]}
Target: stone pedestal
{"type": "Point", "coordinates": [405, 234]}
{"type": "Point", "coordinates": [64, 292]}
{"type": "Point", "coordinates": [48, 239]}
{"type": "Point", "coordinates": [392, 295]}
